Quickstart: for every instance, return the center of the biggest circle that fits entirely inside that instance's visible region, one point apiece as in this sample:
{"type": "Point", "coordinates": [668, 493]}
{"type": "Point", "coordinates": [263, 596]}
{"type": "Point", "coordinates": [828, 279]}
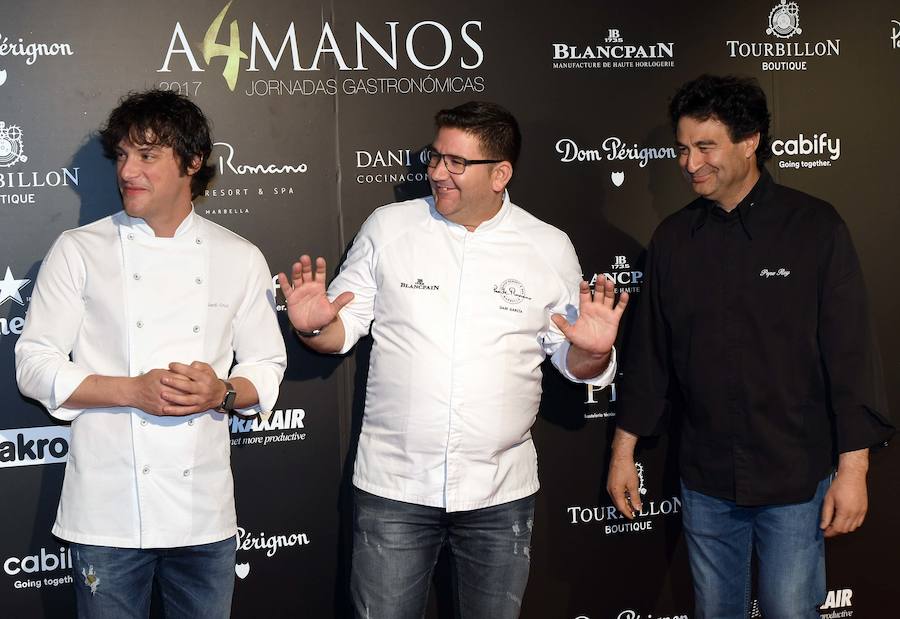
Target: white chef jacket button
{"type": "Point", "coordinates": [198, 280]}
{"type": "Point", "coordinates": [187, 472]}
{"type": "Point", "coordinates": [130, 236]}
{"type": "Point", "coordinates": [196, 329]}
{"type": "Point", "coordinates": [140, 324]}
{"type": "Point", "coordinates": [146, 470]}
{"type": "Point", "coordinates": [198, 241]}
{"type": "Point", "coordinates": [143, 422]}
{"type": "Point", "coordinates": [137, 277]}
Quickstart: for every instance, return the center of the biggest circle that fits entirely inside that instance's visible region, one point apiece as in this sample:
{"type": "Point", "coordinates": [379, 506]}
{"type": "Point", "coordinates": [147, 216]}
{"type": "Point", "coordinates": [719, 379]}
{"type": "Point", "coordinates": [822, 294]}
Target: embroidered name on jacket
{"type": "Point", "coordinates": [420, 285]}
{"type": "Point", "coordinates": [782, 272]}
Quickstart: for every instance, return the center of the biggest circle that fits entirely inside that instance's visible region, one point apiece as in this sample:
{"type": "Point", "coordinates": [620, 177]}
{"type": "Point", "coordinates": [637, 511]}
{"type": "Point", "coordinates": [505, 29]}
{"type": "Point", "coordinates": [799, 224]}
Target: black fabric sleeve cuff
{"type": "Point", "coordinates": [643, 416]}
{"type": "Point", "coordinates": [862, 427]}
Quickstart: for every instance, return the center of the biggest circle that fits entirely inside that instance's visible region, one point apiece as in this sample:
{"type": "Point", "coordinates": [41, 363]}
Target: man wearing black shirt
{"type": "Point", "coordinates": [754, 325]}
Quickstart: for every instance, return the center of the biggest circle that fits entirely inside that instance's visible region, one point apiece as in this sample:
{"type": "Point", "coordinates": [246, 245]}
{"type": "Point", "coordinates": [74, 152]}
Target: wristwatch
{"type": "Point", "coordinates": [228, 402]}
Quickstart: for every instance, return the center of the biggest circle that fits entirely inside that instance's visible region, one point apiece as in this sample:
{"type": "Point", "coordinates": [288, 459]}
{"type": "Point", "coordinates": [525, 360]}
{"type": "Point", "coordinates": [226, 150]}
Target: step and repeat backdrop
{"type": "Point", "coordinates": [320, 111]}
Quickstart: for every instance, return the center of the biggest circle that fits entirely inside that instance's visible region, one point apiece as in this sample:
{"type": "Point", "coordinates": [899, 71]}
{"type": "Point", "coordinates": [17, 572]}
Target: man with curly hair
{"type": "Point", "coordinates": [146, 329]}
{"type": "Point", "coordinates": [753, 325]}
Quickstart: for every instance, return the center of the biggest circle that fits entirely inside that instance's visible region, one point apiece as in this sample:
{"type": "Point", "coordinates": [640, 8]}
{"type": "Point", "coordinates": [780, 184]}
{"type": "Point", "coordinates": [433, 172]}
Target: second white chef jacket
{"type": "Point", "coordinates": [461, 327]}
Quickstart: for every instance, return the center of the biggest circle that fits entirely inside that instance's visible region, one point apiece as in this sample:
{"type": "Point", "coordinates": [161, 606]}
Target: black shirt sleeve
{"type": "Point", "coordinates": [643, 403]}
{"type": "Point", "coordinates": [849, 348]}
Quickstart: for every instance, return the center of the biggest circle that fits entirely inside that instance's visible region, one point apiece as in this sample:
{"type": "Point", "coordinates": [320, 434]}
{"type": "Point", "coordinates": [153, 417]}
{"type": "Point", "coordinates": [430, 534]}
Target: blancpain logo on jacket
{"type": "Point", "coordinates": [420, 284]}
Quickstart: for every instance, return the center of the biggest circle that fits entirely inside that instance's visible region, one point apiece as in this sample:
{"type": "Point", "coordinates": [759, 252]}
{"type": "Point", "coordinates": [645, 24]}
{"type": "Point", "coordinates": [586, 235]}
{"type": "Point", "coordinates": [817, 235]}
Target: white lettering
{"type": "Point", "coordinates": [178, 34]}
{"type": "Point", "coordinates": [257, 40]}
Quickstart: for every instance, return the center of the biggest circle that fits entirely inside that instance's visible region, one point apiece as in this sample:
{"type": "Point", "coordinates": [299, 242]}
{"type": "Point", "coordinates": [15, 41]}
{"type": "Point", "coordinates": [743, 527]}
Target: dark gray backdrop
{"type": "Point", "coordinates": [308, 151]}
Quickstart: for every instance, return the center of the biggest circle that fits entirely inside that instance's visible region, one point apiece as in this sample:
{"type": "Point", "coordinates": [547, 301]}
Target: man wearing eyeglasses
{"type": "Point", "coordinates": [466, 294]}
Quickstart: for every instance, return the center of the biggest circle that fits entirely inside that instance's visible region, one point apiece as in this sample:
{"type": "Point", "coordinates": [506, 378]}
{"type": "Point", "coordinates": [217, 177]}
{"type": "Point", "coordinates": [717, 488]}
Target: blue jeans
{"type": "Point", "coordinates": [115, 583]}
{"type": "Point", "coordinates": [396, 546]}
{"type": "Point", "coordinates": [790, 548]}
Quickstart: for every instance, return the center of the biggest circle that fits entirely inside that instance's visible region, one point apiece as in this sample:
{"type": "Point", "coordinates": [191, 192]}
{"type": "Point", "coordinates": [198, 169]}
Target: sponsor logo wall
{"type": "Point", "coordinates": [782, 52]}
{"type": "Point", "coordinates": [321, 113]}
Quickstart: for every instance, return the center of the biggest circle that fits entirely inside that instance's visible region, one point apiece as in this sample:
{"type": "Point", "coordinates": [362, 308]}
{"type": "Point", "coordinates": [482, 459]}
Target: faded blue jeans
{"type": "Point", "coordinates": [396, 546]}
{"type": "Point", "coordinates": [115, 583]}
{"type": "Point", "coordinates": [721, 537]}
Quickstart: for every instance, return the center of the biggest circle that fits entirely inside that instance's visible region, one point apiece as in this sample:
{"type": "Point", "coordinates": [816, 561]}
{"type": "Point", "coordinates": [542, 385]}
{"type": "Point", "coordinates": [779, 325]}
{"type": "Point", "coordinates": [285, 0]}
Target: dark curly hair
{"type": "Point", "coordinates": [737, 102]}
{"type": "Point", "coordinates": [162, 118]}
{"type": "Point", "coordinates": [496, 129]}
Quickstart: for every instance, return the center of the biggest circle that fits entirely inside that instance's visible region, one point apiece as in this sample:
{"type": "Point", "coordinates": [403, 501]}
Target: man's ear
{"type": "Point", "coordinates": [501, 175]}
{"type": "Point", "coordinates": [751, 143]}
{"type": "Point", "coordinates": [194, 165]}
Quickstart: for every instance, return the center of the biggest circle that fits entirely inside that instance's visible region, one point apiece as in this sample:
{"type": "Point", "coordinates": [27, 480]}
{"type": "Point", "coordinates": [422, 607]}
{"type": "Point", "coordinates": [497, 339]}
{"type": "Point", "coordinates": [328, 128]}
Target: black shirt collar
{"type": "Point", "coordinates": [752, 202]}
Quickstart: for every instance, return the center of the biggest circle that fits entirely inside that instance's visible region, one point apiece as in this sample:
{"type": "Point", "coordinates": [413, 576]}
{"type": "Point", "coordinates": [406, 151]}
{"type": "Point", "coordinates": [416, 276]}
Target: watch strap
{"type": "Point", "coordinates": [228, 401]}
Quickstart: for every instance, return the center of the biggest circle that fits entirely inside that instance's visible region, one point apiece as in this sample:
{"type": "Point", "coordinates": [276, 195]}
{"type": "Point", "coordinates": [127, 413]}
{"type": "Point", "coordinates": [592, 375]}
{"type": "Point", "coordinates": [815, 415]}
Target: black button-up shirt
{"type": "Point", "coordinates": [754, 324]}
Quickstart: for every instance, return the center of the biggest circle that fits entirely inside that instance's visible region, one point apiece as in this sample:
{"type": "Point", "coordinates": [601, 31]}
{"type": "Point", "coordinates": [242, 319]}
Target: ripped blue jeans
{"type": "Point", "coordinates": [396, 547]}
{"type": "Point", "coordinates": [194, 582]}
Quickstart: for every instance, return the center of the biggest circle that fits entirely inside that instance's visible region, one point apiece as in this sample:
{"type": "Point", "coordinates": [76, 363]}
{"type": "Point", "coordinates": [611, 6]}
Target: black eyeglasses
{"type": "Point", "coordinates": [454, 164]}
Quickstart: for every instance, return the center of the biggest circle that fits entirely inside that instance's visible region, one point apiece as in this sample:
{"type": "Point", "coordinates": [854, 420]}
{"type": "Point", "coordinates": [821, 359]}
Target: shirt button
{"type": "Point", "coordinates": [198, 241]}
{"type": "Point", "coordinates": [196, 329]}
{"type": "Point", "coordinates": [137, 277]}
{"type": "Point", "coordinates": [143, 422]}
{"type": "Point", "coordinates": [187, 473]}
{"type": "Point", "coordinates": [140, 324]}
{"type": "Point", "coordinates": [198, 280]}
{"type": "Point", "coordinates": [190, 422]}
{"type": "Point", "coordinates": [130, 236]}
{"type": "Point", "coordinates": [145, 470]}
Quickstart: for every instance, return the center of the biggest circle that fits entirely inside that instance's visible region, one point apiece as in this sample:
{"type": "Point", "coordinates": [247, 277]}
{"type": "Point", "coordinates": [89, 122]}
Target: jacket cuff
{"type": "Point", "coordinates": [67, 379]}
{"type": "Point", "coordinates": [861, 427]}
{"type": "Point", "coordinates": [642, 416]}
{"type": "Point", "coordinates": [603, 379]}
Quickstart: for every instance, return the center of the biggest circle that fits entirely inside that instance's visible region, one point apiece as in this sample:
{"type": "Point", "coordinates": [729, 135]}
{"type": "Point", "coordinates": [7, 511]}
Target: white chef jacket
{"type": "Point", "coordinates": [461, 327]}
{"type": "Point", "coordinates": [123, 302]}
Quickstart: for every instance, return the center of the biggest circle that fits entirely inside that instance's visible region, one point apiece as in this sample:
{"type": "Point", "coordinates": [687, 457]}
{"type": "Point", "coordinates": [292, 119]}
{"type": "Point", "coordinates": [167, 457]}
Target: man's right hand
{"type": "Point", "coordinates": [622, 483]}
{"type": "Point", "coordinates": [308, 307]}
{"type": "Point", "coordinates": [145, 391]}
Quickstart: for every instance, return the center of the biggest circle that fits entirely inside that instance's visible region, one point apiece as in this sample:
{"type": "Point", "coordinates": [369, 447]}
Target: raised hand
{"type": "Point", "coordinates": [598, 318]}
{"type": "Point", "coordinates": [308, 307]}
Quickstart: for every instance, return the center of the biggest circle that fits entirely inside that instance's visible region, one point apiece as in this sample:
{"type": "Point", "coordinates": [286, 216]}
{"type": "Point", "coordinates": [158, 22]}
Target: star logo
{"type": "Point", "coordinates": [10, 287]}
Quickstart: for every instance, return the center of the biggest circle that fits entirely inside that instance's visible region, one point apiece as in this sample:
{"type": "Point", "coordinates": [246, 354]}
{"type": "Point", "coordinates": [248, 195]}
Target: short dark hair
{"type": "Point", "coordinates": [737, 102]}
{"type": "Point", "coordinates": [162, 118]}
{"type": "Point", "coordinates": [496, 129]}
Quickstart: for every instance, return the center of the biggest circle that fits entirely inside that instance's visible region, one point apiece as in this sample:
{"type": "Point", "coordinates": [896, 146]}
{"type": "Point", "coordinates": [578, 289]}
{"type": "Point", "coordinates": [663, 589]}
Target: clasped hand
{"type": "Point", "coordinates": [180, 390]}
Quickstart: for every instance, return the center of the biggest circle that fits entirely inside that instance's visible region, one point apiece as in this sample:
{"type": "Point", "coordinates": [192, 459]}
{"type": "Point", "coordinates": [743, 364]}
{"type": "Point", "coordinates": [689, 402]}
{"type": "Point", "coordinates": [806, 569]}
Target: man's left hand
{"type": "Point", "coordinates": [846, 501]}
{"type": "Point", "coordinates": [598, 318]}
{"type": "Point", "coordinates": [196, 389]}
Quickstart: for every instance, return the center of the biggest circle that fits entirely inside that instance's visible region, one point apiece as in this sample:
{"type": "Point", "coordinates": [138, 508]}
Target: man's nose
{"type": "Point", "coordinates": [693, 161]}
{"type": "Point", "coordinates": [127, 167]}
{"type": "Point", "coordinates": [439, 172]}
